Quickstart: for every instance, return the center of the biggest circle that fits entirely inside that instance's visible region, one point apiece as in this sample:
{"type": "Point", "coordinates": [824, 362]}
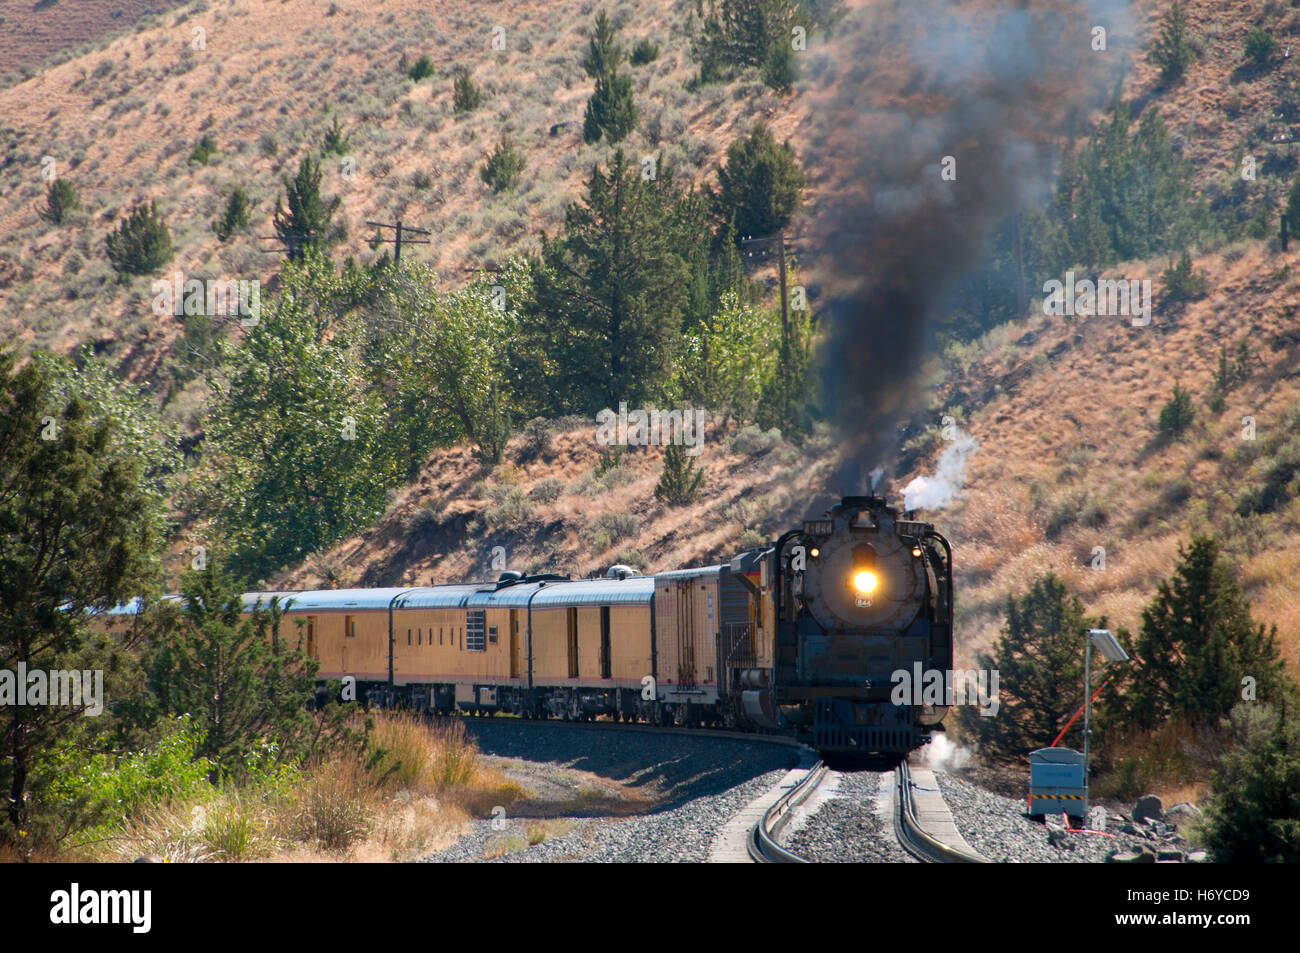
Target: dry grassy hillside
{"type": "Point", "coordinates": [552, 510]}
{"type": "Point", "coordinates": [121, 125]}
{"type": "Point", "coordinates": [1064, 410]}
{"type": "Point", "coordinates": [1067, 410]}
{"type": "Point", "coordinates": [1069, 458]}
{"type": "Point", "coordinates": [33, 32]}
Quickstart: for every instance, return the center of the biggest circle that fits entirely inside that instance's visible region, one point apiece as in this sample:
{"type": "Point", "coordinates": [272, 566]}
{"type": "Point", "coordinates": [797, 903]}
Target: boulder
{"type": "Point", "coordinates": [1131, 857]}
{"type": "Point", "coordinates": [1148, 808]}
{"type": "Point", "coordinates": [1183, 813]}
{"type": "Point", "coordinates": [1198, 857]}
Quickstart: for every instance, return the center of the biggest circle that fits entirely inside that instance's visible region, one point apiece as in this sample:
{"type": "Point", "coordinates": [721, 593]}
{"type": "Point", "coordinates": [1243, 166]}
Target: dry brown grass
{"type": "Point", "coordinates": [411, 794]}
{"type": "Point", "coordinates": [270, 71]}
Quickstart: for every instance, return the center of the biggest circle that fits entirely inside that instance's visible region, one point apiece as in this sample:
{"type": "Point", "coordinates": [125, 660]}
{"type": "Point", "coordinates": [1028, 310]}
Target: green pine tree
{"type": "Point", "coordinates": [235, 216]}
{"type": "Point", "coordinates": [305, 222]}
{"type": "Point", "coordinates": [465, 94]}
{"type": "Point", "coordinates": [760, 186]}
{"type": "Point", "coordinates": [680, 481]}
{"type": "Point", "coordinates": [604, 56]}
{"type": "Point", "coordinates": [1254, 811]}
{"type": "Point", "coordinates": [1039, 660]}
{"type": "Point", "coordinates": [334, 141]}
{"type": "Point", "coordinates": [142, 243]}
{"type": "Point", "coordinates": [611, 112]}
{"type": "Point", "coordinates": [1199, 648]}
{"type": "Point", "coordinates": [611, 292]}
{"type": "Point", "coordinates": [244, 680]}
{"type": "Point", "coordinates": [1177, 415]}
{"type": "Point", "coordinates": [60, 202]}
{"type": "Point", "coordinates": [81, 529]}
{"type": "Point", "coordinates": [501, 170]}
{"type": "Point", "coordinates": [1173, 50]}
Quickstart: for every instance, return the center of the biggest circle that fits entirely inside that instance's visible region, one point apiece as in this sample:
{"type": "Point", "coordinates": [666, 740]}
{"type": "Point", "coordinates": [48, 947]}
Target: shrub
{"type": "Point", "coordinates": [1173, 50]}
{"type": "Point", "coordinates": [610, 528]}
{"type": "Point", "coordinates": [422, 69]}
{"type": "Point", "coordinates": [645, 51]}
{"type": "Point", "coordinates": [204, 150]}
{"type": "Point", "coordinates": [142, 243]}
{"type": "Point", "coordinates": [680, 482]}
{"type": "Point", "coordinates": [1176, 415]}
{"type": "Point", "coordinates": [1252, 813]}
{"type": "Point", "coordinates": [538, 440]}
{"type": "Point", "coordinates": [1181, 282]}
{"type": "Point", "coordinates": [751, 440]}
{"type": "Point", "coordinates": [235, 216]}
{"type": "Point", "coordinates": [501, 171]}
{"type": "Point", "coordinates": [511, 507]}
{"type": "Point", "coordinates": [60, 202]}
{"type": "Point", "coordinates": [633, 558]}
{"type": "Point", "coordinates": [1260, 46]}
{"type": "Point", "coordinates": [465, 94]}
{"type": "Point", "coordinates": [547, 490]}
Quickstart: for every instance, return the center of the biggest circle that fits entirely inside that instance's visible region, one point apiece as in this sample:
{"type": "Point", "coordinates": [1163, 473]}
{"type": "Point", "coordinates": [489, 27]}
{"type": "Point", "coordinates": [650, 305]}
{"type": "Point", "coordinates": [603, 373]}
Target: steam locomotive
{"type": "Point", "coordinates": [801, 637]}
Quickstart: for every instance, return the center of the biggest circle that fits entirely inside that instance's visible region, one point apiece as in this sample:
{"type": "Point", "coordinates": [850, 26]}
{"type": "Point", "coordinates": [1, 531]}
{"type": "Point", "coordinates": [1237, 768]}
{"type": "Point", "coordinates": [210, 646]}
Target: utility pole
{"type": "Point", "coordinates": [779, 239]}
{"type": "Point", "coordinates": [400, 230]}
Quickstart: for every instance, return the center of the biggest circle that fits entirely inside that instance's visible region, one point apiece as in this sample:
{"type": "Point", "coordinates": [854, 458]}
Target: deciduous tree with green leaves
{"type": "Point", "coordinates": [296, 448]}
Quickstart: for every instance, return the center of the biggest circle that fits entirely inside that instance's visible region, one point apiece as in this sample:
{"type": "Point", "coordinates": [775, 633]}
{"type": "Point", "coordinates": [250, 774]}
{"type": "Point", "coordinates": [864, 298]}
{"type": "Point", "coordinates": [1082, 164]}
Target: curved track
{"type": "Point", "coordinates": [915, 839]}
{"type": "Point", "coordinates": [763, 848]}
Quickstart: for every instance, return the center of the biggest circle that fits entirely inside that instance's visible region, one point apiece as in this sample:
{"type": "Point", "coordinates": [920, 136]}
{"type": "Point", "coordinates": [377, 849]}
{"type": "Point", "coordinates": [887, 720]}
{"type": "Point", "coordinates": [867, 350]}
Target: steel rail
{"type": "Point", "coordinates": [917, 841]}
{"type": "Point", "coordinates": [763, 847]}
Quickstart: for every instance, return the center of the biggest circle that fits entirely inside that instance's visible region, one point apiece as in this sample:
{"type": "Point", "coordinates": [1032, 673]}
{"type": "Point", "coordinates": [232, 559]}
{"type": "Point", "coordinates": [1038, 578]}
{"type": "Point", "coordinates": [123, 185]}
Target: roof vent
{"type": "Point", "coordinates": [510, 575]}
{"type": "Point", "coordinates": [620, 572]}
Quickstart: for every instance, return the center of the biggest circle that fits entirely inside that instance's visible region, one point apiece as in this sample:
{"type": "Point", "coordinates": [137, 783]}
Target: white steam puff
{"type": "Point", "coordinates": [936, 492]}
{"type": "Point", "coordinates": [942, 755]}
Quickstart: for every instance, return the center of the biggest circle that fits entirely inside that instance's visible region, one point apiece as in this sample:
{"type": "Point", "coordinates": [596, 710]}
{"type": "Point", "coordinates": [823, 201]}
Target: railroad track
{"type": "Point", "coordinates": [763, 847]}
{"type": "Point", "coordinates": [915, 839]}
{"type": "Point", "coordinates": [761, 844]}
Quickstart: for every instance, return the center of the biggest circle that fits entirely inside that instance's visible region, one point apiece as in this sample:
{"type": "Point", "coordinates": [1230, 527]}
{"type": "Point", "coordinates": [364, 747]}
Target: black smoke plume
{"type": "Point", "coordinates": [900, 86]}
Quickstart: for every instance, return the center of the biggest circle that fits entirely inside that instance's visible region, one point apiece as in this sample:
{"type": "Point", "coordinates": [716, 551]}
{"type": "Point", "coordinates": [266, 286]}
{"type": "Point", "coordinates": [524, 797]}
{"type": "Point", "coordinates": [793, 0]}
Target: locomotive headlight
{"type": "Point", "coordinates": [865, 582]}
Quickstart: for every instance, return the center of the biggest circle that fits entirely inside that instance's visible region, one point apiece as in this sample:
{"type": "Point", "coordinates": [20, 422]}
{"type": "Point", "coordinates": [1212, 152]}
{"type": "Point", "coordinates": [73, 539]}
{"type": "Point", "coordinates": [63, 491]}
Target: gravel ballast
{"type": "Point", "coordinates": [845, 826]}
{"type": "Point", "coordinates": [604, 795]}
{"type": "Point", "coordinates": [998, 828]}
